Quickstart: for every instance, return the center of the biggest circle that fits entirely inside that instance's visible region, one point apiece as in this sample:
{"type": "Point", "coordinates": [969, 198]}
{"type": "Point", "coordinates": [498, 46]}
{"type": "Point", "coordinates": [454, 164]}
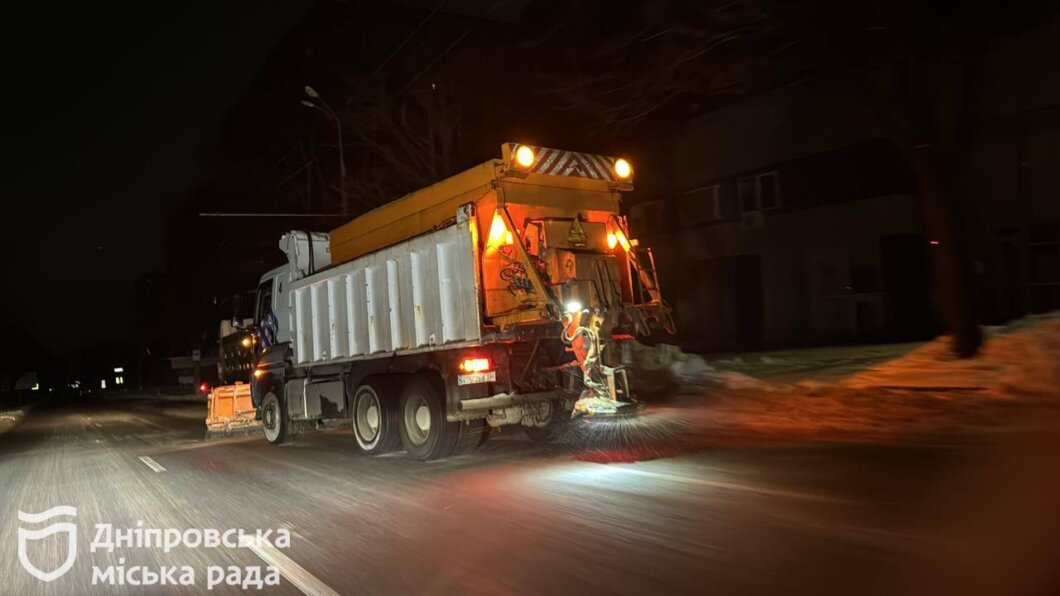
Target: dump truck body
{"type": "Point", "coordinates": [464, 292]}
{"type": "Point", "coordinates": [414, 295]}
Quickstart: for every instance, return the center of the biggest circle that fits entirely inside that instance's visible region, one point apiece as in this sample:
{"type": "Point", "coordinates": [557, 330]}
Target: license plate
{"type": "Point", "coordinates": [471, 379]}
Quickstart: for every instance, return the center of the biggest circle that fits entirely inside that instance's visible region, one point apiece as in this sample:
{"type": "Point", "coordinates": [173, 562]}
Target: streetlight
{"type": "Point", "coordinates": [326, 109]}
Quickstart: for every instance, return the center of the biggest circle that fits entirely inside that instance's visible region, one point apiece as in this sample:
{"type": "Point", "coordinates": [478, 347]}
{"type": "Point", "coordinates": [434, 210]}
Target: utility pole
{"type": "Point", "coordinates": [326, 109]}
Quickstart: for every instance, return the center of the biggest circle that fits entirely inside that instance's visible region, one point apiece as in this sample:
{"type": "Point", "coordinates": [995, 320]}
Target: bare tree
{"type": "Point", "coordinates": [674, 51]}
{"type": "Point", "coordinates": [406, 140]}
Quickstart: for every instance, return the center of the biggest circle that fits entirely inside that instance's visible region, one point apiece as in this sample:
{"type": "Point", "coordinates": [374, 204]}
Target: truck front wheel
{"type": "Point", "coordinates": [273, 419]}
{"type": "Point", "coordinates": [375, 419]}
{"type": "Point", "coordinates": [425, 433]}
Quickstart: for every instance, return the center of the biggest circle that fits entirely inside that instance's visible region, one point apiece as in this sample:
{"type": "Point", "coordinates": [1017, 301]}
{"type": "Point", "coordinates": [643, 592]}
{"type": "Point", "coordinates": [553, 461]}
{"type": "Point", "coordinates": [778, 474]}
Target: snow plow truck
{"type": "Point", "coordinates": [494, 297]}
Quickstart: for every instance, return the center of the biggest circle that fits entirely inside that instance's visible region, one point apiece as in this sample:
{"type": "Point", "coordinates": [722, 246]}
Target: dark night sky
{"type": "Point", "coordinates": [114, 118]}
{"type": "Point", "coordinates": [117, 108]}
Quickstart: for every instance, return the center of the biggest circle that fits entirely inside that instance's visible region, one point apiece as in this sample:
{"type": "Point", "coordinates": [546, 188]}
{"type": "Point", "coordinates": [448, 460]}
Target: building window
{"type": "Point", "coordinates": [760, 192]}
{"type": "Point", "coordinates": [746, 194]}
{"type": "Point", "coordinates": [701, 205]}
{"type": "Point", "coordinates": [768, 191]}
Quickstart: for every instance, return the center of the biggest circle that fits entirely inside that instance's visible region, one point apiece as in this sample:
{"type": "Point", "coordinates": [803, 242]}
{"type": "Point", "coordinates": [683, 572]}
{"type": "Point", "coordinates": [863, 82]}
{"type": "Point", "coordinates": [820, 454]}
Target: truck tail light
{"type": "Point", "coordinates": [476, 365]}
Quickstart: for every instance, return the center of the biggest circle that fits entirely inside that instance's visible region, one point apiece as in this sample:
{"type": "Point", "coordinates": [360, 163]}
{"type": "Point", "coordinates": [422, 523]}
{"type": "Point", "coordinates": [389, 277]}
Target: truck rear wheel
{"type": "Point", "coordinates": [273, 419]}
{"type": "Point", "coordinates": [375, 419]}
{"type": "Point", "coordinates": [553, 420]}
{"type": "Point", "coordinates": [472, 434]}
{"type": "Point", "coordinates": [425, 433]}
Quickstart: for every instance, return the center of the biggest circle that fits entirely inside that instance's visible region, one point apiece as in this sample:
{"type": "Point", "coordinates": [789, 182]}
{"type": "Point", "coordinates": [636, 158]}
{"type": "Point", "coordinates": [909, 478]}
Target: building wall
{"type": "Point", "coordinates": [1016, 234]}
{"type": "Point", "coordinates": [841, 249]}
{"type": "Point", "coordinates": [804, 118]}
{"type": "Point", "coordinates": [798, 263]}
{"type": "Point", "coordinates": [814, 273]}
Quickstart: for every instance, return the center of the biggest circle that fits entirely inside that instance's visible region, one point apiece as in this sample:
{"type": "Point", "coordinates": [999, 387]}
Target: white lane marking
{"type": "Point", "coordinates": [157, 467]}
{"type": "Point", "coordinates": [295, 573]}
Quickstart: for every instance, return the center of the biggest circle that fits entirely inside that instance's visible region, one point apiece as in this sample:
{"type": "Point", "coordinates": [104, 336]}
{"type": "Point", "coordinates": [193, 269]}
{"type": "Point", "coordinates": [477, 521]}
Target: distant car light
{"type": "Point", "coordinates": [622, 168]}
{"type": "Point", "coordinates": [204, 388]}
{"type": "Point", "coordinates": [258, 372]}
{"type": "Point", "coordinates": [524, 156]}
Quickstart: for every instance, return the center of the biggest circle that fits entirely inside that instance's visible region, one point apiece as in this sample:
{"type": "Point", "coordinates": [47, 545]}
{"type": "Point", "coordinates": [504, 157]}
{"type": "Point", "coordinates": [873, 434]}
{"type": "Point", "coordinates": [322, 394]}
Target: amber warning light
{"type": "Point", "coordinates": [615, 237]}
{"type": "Point", "coordinates": [499, 233]}
{"type": "Point", "coordinates": [524, 156]}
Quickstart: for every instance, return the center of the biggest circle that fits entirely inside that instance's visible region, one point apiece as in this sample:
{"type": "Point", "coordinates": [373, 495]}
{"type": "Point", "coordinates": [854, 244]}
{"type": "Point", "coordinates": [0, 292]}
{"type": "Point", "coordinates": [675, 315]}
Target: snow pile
{"type": "Point", "coordinates": [1022, 359]}
{"type": "Point", "coordinates": [919, 394]}
{"type": "Point", "coordinates": [665, 366]}
{"type": "Point", "coordinates": [9, 418]}
{"type": "Point", "coordinates": [10, 415]}
{"type": "Point", "coordinates": [1019, 359]}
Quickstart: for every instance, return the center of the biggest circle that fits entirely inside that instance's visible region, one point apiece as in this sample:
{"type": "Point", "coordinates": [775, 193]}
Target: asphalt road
{"type": "Point", "coordinates": [515, 517]}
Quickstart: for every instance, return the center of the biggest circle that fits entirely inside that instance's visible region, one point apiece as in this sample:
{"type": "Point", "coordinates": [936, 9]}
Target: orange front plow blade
{"type": "Point", "coordinates": [230, 410]}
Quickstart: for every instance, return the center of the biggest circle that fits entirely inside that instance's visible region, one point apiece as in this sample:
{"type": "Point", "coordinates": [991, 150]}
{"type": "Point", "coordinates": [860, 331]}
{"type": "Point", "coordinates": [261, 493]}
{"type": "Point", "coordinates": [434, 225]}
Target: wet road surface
{"type": "Point", "coordinates": [514, 517]}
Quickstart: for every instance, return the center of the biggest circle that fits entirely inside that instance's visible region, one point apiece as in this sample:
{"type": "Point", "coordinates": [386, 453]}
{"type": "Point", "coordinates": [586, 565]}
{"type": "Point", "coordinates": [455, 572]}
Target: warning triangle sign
{"type": "Point", "coordinates": [576, 237]}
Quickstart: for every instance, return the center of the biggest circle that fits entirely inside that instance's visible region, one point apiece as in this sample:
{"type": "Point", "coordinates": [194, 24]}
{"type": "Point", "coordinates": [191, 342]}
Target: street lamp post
{"type": "Point", "coordinates": [326, 109]}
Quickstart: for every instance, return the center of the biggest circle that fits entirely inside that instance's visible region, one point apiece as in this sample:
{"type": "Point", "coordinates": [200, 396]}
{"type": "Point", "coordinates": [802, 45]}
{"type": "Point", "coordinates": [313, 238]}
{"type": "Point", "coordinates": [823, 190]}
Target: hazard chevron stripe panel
{"type": "Point", "coordinates": [558, 162]}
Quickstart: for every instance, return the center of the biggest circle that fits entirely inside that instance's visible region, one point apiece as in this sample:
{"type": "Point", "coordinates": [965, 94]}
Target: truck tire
{"type": "Point", "coordinates": [555, 422]}
{"type": "Point", "coordinates": [425, 433]}
{"type": "Point", "coordinates": [273, 419]}
{"type": "Point", "coordinates": [374, 419]}
{"type": "Point", "coordinates": [472, 434]}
